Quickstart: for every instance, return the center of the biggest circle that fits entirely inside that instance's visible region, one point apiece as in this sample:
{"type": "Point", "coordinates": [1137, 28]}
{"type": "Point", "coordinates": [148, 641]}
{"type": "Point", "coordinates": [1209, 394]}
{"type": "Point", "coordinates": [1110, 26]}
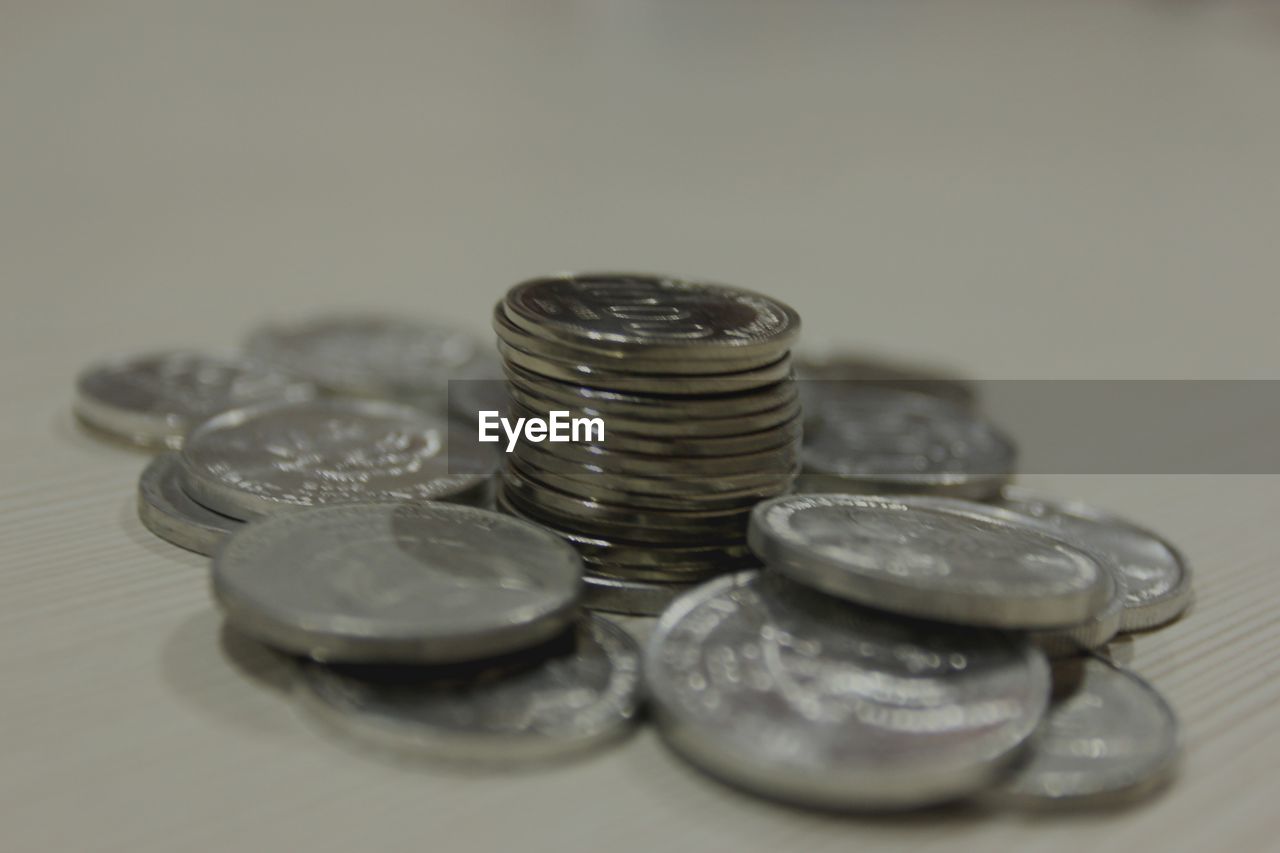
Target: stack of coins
{"type": "Point", "coordinates": [693, 385]}
{"type": "Point", "coordinates": [893, 655]}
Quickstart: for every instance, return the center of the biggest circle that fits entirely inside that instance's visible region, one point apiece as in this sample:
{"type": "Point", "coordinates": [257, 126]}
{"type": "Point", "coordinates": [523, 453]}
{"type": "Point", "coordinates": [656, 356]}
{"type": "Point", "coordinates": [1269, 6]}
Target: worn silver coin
{"type": "Point", "coordinates": [409, 583]}
{"type": "Point", "coordinates": [804, 698]}
{"type": "Point", "coordinates": [932, 558]}
{"type": "Point", "coordinates": [882, 440]}
{"type": "Point", "coordinates": [261, 460]}
{"type": "Point", "coordinates": [631, 597]}
{"type": "Point", "coordinates": [367, 354]}
{"type": "Point", "coordinates": [1110, 740]}
{"type": "Point", "coordinates": [167, 511]}
{"type": "Point", "coordinates": [574, 698]}
{"type": "Point", "coordinates": [1156, 577]}
{"type": "Point", "coordinates": [152, 400]}
{"type": "Point", "coordinates": [655, 315]}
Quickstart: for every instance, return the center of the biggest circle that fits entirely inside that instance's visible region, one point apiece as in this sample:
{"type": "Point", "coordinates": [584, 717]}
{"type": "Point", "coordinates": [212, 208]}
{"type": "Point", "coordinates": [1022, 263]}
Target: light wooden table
{"type": "Point", "coordinates": [1029, 189]}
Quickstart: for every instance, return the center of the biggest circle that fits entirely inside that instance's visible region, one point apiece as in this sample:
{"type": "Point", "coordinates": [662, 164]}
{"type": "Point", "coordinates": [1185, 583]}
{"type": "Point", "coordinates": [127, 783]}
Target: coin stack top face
{"type": "Point", "coordinates": [153, 400]}
{"type": "Point", "coordinates": [257, 461]}
{"type": "Point", "coordinates": [693, 384]}
{"type": "Point", "coordinates": [411, 582]}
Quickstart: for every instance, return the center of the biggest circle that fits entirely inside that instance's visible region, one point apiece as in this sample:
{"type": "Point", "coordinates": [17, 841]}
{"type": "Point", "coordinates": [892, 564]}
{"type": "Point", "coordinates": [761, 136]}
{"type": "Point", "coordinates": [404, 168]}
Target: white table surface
{"type": "Point", "coordinates": [1029, 189]}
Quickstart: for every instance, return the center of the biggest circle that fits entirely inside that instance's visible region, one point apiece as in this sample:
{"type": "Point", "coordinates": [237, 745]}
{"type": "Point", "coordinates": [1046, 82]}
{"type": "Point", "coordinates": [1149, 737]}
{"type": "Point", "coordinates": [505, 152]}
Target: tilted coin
{"type": "Point", "coordinates": [583, 694]}
{"type": "Point", "coordinates": [635, 362]}
{"type": "Point", "coordinates": [630, 597]}
{"type": "Point", "coordinates": [167, 511]}
{"type": "Point", "coordinates": [152, 400]}
{"type": "Point", "coordinates": [649, 383]}
{"type": "Point", "coordinates": [880, 440]}
{"type": "Point", "coordinates": [261, 460]}
{"type": "Point", "coordinates": [409, 583]}
{"type": "Point", "coordinates": [1156, 576]}
{"type": "Point", "coordinates": [1111, 740]}
{"type": "Point", "coordinates": [1092, 633]}
{"type": "Point", "coordinates": [825, 375]}
{"type": "Point", "coordinates": [932, 558]}
{"type": "Point", "coordinates": [804, 698]}
{"type": "Point", "coordinates": [366, 354]}
{"type": "Point", "coordinates": [656, 315]}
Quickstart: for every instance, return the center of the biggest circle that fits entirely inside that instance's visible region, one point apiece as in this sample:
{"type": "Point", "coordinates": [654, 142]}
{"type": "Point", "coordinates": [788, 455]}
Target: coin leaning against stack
{"type": "Point", "coordinates": [693, 384]}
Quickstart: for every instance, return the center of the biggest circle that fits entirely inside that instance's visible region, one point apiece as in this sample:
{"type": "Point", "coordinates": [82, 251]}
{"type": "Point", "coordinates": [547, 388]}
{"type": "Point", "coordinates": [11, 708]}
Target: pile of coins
{"type": "Point", "coordinates": [693, 385]}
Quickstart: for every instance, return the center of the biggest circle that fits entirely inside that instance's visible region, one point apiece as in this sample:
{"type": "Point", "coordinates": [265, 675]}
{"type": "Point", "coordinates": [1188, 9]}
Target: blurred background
{"type": "Point", "coordinates": [1023, 189]}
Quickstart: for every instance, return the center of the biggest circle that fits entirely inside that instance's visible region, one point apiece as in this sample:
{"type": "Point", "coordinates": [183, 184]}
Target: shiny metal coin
{"type": "Point", "coordinates": [152, 400]}
{"type": "Point", "coordinates": [629, 597]}
{"type": "Point", "coordinates": [654, 315]}
{"type": "Point", "coordinates": [407, 583]}
{"type": "Point", "coordinates": [1093, 633]}
{"type": "Point", "coordinates": [165, 510]}
{"type": "Point", "coordinates": [670, 384]}
{"type": "Point", "coordinates": [878, 440]}
{"type": "Point", "coordinates": [1156, 576]}
{"type": "Point", "coordinates": [1112, 740]}
{"type": "Point", "coordinates": [261, 460]}
{"type": "Point", "coordinates": [804, 698]}
{"type": "Point", "coordinates": [932, 558]}
{"type": "Point", "coordinates": [592, 488]}
{"type": "Point", "coordinates": [827, 374]}
{"type": "Point", "coordinates": [635, 362]}
{"type": "Point", "coordinates": [766, 485]}
{"type": "Point", "coordinates": [661, 418]}
{"type": "Point", "coordinates": [564, 504]}
{"type": "Point", "coordinates": [584, 693]}
{"type": "Point", "coordinates": [367, 355]}
{"type": "Point", "coordinates": [776, 463]}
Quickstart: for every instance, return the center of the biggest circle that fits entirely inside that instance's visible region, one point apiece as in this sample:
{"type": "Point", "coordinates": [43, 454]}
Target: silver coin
{"type": "Point", "coordinates": [410, 583]}
{"type": "Point", "coordinates": [932, 558]}
{"type": "Point", "coordinates": [631, 597]}
{"type": "Point", "coordinates": [804, 698]}
{"type": "Point", "coordinates": [1156, 576]}
{"type": "Point", "coordinates": [153, 400]}
{"type": "Point", "coordinates": [881, 440]}
{"type": "Point", "coordinates": [1091, 634]}
{"type": "Point", "coordinates": [576, 698]}
{"type": "Point", "coordinates": [367, 355]}
{"type": "Point", "coordinates": [165, 510]}
{"type": "Point", "coordinates": [257, 461]}
{"type": "Point", "coordinates": [656, 315]}
{"type": "Point", "coordinates": [592, 488]}
{"type": "Point", "coordinates": [777, 463]}
{"type": "Point", "coordinates": [1111, 740]}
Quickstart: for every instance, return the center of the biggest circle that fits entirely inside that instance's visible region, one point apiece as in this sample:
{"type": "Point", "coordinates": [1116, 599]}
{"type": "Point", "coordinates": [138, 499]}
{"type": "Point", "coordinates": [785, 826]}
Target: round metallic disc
{"type": "Point", "coordinates": [881, 440]}
{"type": "Point", "coordinates": [656, 315]}
{"type": "Point", "coordinates": [580, 694]}
{"type": "Point", "coordinates": [367, 355]}
{"type": "Point", "coordinates": [165, 510]}
{"type": "Point", "coordinates": [1111, 740]}
{"type": "Point", "coordinates": [932, 558]}
{"type": "Point", "coordinates": [777, 462]}
{"type": "Point", "coordinates": [153, 400]}
{"type": "Point", "coordinates": [632, 362]}
{"type": "Point", "coordinates": [823, 376]}
{"type": "Point", "coordinates": [1092, 633]}
{"type": "Point", "coordinates": [782, 435]}
{"type": "Point", "coordinates": [661, 418]}
{"type": "Point", "coordinates": [631, 597]}
{"type": "Point", "coordinates": [649, 383]}
{"type": "Point", "coordinates": [408, 583]}
{"type": "Point", "coordinates": [262, 460]}
{"type": "Point", "coordinates": [592, 488]}
{"type": "Point", "coordinates": [804, 698]}
{"type": "Point", "coordinates": [1156, 576]}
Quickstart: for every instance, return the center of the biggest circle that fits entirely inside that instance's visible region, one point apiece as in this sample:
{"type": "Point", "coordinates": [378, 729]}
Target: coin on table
{"type": "Point", "coordinates": [1092, 633]}
{"type": "Point", "coordinates": [260, 460]}
{"type": "Point", "coordinates": [877, 440]}
{"type": "Point", "coordinates": [152, 400]}
{"type": "Point", "coordinates": [1110, 740]}
{"type": "Point", "coordinates": [169, 513]}
{"type": "Point", "coordinates": [932, 558]}
{"type": "Point", "coordinates": [367, 354]}
{"type": "Point", "coordinates": [1156, 576]}
{"type": "Point", "coordinates": [409, 583]}
{"type": "Point", "coordinates": [581, 693]}
{"type": "Point", "coordinates": [805, 698]}
{"type": "Point", "coordinates": [655, 316]}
